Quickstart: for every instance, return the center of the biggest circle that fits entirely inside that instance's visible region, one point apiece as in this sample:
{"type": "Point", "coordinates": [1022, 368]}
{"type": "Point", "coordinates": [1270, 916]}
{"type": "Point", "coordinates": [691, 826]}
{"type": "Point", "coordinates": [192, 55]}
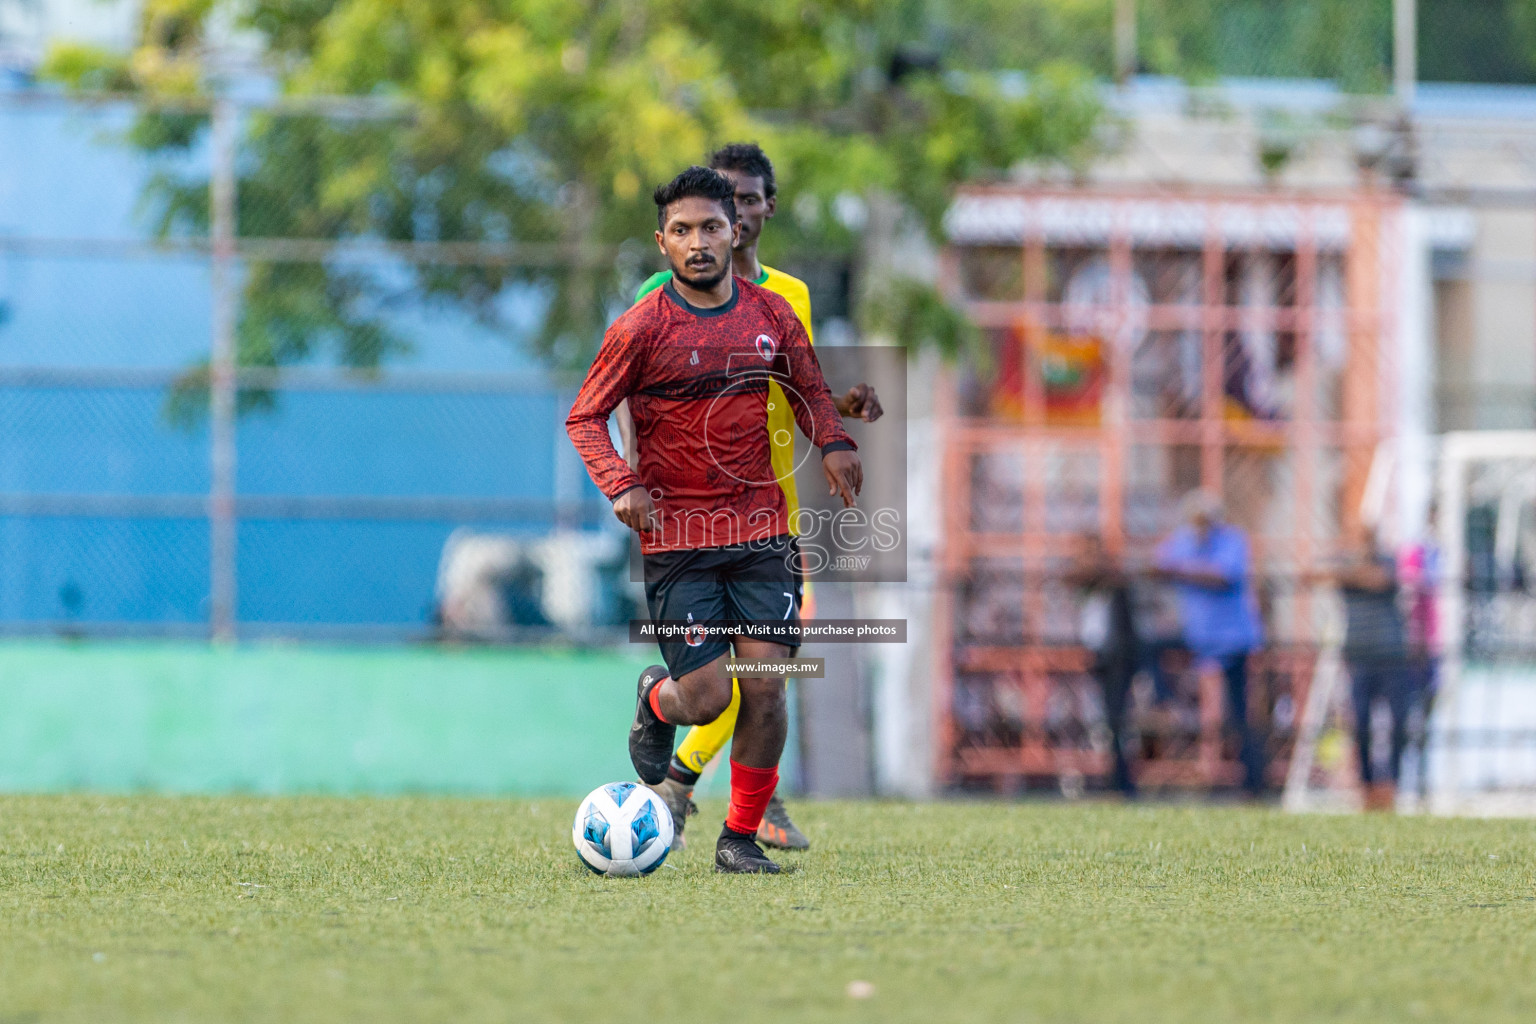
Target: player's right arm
{"type": "Point", "coordinates": [613, 376]}
{"type": "Point", "coordinates": [621, 415]}
{"type": "Point", "coordinates": [625, 421]}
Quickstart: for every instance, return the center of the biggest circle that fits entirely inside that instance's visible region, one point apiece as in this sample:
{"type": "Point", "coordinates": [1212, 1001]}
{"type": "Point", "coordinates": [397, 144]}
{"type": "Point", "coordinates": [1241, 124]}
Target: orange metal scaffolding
{"type": "Point", "coordinates": [1142, 344]}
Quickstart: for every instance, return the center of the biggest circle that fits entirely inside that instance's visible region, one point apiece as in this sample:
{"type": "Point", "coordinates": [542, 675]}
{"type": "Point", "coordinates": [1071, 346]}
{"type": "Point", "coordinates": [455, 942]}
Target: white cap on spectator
{"type": "Point", "coordinates": [1200, 504]}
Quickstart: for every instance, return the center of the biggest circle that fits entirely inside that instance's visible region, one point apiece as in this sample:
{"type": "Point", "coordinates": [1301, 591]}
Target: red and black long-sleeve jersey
{"type": "Point", "coordinates": [697, 384]}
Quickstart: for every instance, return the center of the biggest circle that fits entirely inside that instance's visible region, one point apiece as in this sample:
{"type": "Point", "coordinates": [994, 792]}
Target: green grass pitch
{"type": "Point", "coordinates": [319, 909]}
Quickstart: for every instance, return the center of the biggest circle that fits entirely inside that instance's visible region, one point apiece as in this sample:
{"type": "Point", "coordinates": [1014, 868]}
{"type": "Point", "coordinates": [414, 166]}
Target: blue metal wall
{"type": "Point", "coordinates": [81, 455]}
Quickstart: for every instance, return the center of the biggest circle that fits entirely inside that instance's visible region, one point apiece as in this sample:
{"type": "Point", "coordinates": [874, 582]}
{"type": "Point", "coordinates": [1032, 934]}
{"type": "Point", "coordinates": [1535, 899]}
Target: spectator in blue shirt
{"type": "Point", "coordinates": [1207, 561]}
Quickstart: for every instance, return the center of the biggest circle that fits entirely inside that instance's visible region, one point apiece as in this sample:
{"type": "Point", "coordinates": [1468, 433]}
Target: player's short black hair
{"type": "Point", "coordinates": [745, 158]}
{"type": "Point", "coordinates": [695, 181]}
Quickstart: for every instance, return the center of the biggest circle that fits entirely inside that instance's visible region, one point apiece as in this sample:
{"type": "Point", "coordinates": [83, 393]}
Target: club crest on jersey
{"type": "Point", "coordinates": [766, 347]}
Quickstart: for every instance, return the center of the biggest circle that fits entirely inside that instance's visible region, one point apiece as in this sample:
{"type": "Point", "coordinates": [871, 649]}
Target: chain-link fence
{"type": "Point", "coordinates": [228, 403]}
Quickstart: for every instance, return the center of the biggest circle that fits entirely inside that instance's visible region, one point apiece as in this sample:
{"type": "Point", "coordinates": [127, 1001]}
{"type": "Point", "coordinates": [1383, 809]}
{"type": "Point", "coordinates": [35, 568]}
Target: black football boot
{"type": "Point", "coordinates": [738, 854]}
{"type": "Point", "coordinates": [650, 739]}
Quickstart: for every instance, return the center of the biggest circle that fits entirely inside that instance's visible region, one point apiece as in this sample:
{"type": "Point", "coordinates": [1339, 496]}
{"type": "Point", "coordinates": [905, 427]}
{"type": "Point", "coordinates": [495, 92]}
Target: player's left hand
{"type": "Point", "coordinates": [845, 474]}
{"type": "Point", "coordinates": [861, 402]}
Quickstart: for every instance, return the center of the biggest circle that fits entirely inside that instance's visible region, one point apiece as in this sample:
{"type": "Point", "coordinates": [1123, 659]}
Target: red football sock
{"type": "Point", "coordinates": [751, 789]}
{"type": "Point", "coordinates": [654, 698]}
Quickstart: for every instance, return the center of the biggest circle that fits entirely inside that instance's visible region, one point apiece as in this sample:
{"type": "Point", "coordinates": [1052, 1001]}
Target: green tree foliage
{"type": "Point", "coordinates": [1018, 34]}
{"type": "Point", "coordinates": [547, 123]}
{"type": "Point", "coordinates": [1348, 41]}
{"type": "Point", "coordinates": [1477, 41]}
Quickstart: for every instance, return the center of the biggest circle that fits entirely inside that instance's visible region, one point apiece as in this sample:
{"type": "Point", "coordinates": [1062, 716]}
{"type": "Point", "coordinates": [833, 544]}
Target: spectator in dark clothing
{"type": "Point", "coordinates": [1208, 562]}
{"type": "Point", "coordinates": [1107, 628]}
{"type": "Point", "coordinates": [1376, 653]}
{"type": "Point", "coordinates": [1160, 633]}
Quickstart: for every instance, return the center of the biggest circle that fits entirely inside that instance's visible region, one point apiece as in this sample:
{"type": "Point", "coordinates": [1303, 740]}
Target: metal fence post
{"type": "Point", "coordinates": [221, 378]}
{"type": "Point", "coordinates": [1405, 50]}
{"type": "Point", "coordinates": [1125, 41]}
{"type": "Point", "coordinates": [568, 467]}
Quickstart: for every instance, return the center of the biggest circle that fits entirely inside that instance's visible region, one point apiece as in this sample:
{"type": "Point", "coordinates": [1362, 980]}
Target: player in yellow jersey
{"type": "Point", "coordinates": [751, 172]}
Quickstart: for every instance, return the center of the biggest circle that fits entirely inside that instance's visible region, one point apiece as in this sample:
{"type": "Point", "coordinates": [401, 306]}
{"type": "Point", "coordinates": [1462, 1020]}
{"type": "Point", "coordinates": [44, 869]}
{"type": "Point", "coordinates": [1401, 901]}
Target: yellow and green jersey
{"type": "Point", "coordinates": [781, 421]}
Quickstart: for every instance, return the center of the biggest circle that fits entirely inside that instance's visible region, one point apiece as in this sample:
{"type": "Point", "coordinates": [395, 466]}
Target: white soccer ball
{"type": "Point", "coordinates": [622, 829]}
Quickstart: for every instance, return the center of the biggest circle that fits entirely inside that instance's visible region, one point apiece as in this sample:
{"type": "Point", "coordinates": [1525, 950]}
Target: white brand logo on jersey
{"type": "Point", "coordinates": [766, 346]}
{"type": "Point", "coordinates": [694, 361]}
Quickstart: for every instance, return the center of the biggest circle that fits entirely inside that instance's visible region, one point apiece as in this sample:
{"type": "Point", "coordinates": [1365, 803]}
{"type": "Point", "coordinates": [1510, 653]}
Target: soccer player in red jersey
{"type": "Point", "coordinates": [694, 358]}
{"type": "Point", "coordinates": [751, 172]}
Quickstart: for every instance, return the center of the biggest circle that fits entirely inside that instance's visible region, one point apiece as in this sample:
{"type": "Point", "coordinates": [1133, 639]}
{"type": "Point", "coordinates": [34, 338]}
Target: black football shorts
{"type": "Point", "coordinates": [757, 582]}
